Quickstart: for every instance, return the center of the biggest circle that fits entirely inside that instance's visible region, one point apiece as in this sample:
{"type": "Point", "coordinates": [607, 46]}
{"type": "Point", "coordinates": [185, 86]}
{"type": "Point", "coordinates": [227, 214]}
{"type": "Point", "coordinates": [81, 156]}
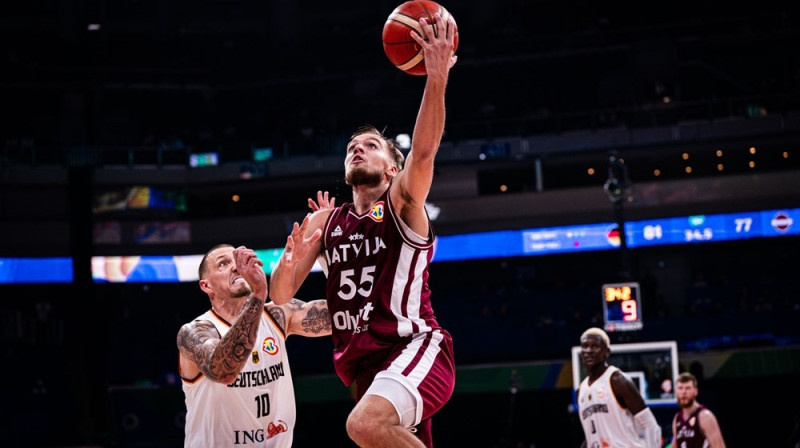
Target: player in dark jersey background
{"type": "Point", "coordinates": [375, 252]}
{"type": "Point", "coordinates": [694, 425]}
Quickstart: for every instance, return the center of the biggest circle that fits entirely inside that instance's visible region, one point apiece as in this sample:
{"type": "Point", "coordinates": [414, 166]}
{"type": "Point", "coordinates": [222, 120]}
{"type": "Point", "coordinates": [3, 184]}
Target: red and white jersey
{"type": "Point", "coordinates": [256, 410]}
{"type": "Point", "coordinates": [688, 433]}
{"type": "Point", "coordinates": [605, 423]}
{"type": "Point", "coordinates": [377, 284]}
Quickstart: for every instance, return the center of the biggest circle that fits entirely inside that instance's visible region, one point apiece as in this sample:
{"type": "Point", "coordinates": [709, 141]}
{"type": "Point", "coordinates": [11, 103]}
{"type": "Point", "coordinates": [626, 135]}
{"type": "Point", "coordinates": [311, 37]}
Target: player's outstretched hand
{"type": "Point", "coordinates": [439, 47]}
{"type": "Point", "coordinates": [323, 201]}
{"type": "Point", "coordinates": [297, 245]}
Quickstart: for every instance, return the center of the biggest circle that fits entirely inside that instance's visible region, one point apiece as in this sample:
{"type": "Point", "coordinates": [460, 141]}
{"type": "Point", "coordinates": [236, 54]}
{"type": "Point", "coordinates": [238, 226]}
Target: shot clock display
{"type": "Point", "coordinates": [622, 306]}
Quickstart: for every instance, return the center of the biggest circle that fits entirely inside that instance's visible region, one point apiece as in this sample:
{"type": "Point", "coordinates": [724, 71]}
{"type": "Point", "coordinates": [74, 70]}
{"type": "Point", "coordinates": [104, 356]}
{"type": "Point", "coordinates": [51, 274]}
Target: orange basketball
{"type": "Point", "coordinates": [400, 48]}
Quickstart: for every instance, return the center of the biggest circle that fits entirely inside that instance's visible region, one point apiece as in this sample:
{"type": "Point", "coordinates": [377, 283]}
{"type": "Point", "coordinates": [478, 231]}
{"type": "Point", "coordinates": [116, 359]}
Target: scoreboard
{"type": "Point", "coordinates": [711, 228]}
{"type": "Point", "coordinates": [603, 236]}
{"type": "Point", "coordinates": [506, 243]}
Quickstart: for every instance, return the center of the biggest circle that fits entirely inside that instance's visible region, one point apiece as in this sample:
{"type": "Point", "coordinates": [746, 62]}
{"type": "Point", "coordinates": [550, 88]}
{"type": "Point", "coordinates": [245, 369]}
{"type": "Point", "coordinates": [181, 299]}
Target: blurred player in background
{"type": "Point", "coordinates": [694, 426]}
{"type": "Point", "coordinates": [610, 407]}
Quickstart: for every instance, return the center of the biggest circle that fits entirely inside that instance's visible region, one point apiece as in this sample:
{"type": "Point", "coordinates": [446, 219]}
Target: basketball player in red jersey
{"type": "Point", "coordinates": [694, 425]}
{"type": "Point", "coordinates": [375, 253]}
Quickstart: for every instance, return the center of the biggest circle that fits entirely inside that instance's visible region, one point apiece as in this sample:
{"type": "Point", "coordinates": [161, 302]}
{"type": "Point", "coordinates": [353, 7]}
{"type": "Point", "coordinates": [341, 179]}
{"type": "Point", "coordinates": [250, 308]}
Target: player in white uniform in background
{"type": "Point", "coordinates": [612, 412]}
{"type": "Point", "coordinates": [233, 362]}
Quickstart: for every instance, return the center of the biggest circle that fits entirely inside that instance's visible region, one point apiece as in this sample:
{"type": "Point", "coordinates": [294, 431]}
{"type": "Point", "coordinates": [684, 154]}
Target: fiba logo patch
{"type": "Point", "coordinates": [377, 212]}
{"type": "Point", "coordinates": [601, 392]}
{"type": "Point", "coordinates": [269, 346]}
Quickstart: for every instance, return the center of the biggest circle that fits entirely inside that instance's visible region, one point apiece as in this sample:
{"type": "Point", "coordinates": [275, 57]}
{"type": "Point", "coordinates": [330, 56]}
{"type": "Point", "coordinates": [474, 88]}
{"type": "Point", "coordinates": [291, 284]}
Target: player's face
{"type": "Point", "coordinates": [223, 277]}
{"type": "Point", "coordinates": [686, 394]}
{"type": "Point", "coordinates": [367, 160]}
{"type": "Point", "coordinates": [593, 350]}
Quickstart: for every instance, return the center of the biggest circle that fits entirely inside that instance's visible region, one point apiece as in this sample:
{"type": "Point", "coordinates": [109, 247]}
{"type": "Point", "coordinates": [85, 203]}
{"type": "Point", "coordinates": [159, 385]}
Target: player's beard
{"type": "Point", "coordinates": [241, 290]}
{"type": "Point", "coordinates": [361, 175]}
{"type": "Point", "coordinates": [686, 403]}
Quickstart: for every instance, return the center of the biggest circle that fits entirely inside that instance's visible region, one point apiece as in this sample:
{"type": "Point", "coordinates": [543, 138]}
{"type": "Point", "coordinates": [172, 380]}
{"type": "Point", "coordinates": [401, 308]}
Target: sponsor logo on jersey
{"type": "Point", "coordinates": [248, 437]}
{"type": "Point", "coordinates": [337, 231]}
{"type": "Point", "coordinates": [269, 346]}
{"type": "Point", "coordinates": [377, 212]}
{"type": "Point", "coordinates": [258, 436]}
{"type": "Point", "coordinates": [343, 320]}
{"type": "Point", "coordinates": [273, 429]}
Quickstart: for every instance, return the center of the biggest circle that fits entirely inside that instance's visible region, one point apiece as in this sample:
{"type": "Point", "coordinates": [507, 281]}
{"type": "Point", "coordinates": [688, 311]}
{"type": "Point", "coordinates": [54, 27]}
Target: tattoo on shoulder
{"type": "Point", "coordinates": [279, 315]}
{"type": "Point", "coordinates": [192, 340]}
{"type": "Point", "coordinates": [295, 304]}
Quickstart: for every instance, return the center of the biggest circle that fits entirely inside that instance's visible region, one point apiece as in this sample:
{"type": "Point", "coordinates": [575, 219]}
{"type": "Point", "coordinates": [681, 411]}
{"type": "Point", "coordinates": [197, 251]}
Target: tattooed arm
{"type": "Point", "coordinates": [309, 319]}
{"type": "Point", "coordinates": [220, 359]}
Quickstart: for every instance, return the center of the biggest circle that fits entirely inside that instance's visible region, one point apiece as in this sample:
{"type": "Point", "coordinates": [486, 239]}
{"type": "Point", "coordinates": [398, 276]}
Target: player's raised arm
{"type": "Point", "coordinates": [299, 255]}
{"type": "Point", "coordinates": [414, 182]}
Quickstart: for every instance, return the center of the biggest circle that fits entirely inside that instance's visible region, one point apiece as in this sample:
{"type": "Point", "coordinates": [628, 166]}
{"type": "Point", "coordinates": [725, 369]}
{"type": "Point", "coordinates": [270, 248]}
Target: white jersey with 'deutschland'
{"type": "Point", "coordinates": [256, 410]}
{"type": "Point", "coordinates": [605, 423]}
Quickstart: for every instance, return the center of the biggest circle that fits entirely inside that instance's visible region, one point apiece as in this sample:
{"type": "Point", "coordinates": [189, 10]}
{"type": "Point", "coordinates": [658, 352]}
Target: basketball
{"type": "Point", "coordinates": [399, 46]}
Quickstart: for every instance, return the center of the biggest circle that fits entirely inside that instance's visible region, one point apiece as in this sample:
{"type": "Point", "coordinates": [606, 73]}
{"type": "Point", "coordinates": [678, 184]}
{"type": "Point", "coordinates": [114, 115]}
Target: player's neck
{"type": "Point", "coordinates": [364, 196]}
{"type": "Point", "coordinates": [229, 309]}
{"type": "Point", "coordinates": [687, 411]}
{"type": "Point", "coordinates": [596, 372]}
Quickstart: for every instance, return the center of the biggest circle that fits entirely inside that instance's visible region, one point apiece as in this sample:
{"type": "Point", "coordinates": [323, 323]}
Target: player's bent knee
{"type": "Point", "coordinates": [359, 427]}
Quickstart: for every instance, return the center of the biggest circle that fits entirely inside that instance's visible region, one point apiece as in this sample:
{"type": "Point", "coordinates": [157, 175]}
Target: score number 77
{"type": "Point", "coordinates": [743, 224]}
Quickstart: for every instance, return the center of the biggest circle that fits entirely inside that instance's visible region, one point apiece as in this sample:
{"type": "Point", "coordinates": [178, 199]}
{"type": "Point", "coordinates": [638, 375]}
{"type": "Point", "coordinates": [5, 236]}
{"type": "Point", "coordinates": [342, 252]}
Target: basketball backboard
{"type": "Point", "coordinates": [653, 366]}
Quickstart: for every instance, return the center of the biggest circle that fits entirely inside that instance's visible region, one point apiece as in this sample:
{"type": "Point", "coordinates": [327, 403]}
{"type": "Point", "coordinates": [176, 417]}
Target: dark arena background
{"type": "Point", "coordinates": [654, 144]}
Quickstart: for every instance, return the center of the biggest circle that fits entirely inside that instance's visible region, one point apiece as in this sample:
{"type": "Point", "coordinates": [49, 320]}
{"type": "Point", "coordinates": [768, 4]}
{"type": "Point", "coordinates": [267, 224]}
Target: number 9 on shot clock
{"type": "Point", "coordinates": [622, 306]}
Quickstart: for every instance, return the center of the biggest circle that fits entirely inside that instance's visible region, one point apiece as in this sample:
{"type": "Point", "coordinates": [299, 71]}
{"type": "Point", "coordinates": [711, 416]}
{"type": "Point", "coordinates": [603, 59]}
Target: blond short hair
{"type": "Point", "coordinates": [600, 333]}
{"type": "Point", "coordinates": [394, 150]}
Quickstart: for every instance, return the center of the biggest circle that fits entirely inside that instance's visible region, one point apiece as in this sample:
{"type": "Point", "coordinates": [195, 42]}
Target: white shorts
{"type": "Point", "coordinates": [404, 397]}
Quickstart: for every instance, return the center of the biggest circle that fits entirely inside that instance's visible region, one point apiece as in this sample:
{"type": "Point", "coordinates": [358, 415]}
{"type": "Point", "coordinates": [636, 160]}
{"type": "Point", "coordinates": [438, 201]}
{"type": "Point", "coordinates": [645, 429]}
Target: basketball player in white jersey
{"type": "Point", "coordinates": [232, 359]}
{"type": "Point", "coordinates": [611, 410]}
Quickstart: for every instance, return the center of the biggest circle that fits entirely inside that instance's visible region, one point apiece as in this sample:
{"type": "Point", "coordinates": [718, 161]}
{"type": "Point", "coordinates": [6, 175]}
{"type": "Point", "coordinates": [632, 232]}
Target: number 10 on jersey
{"type": "Point", "coordinates": [622, 306]}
